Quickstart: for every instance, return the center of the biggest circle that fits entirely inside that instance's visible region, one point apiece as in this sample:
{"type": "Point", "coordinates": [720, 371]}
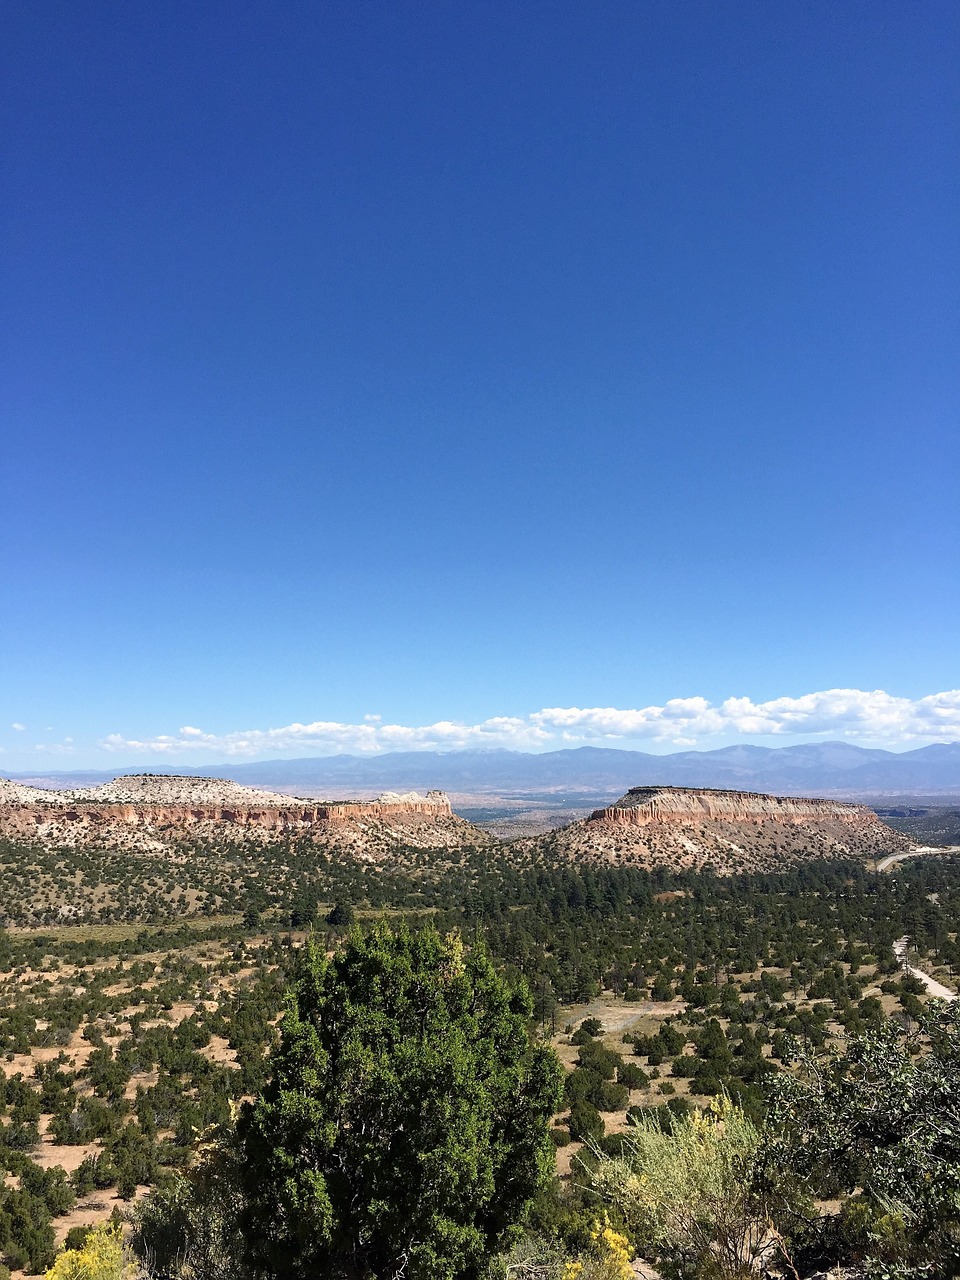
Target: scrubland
{"type": "Point", "coordinates": [142, 995]}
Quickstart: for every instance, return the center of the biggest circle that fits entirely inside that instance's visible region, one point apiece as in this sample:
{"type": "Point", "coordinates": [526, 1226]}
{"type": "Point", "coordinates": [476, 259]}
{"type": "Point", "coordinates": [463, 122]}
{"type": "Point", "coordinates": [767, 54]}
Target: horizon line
{"type": "Point", "coordinates": [163, 769]}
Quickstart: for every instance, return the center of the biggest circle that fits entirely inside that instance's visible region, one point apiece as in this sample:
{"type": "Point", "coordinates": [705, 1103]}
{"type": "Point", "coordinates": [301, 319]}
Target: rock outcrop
{"type": "Point", "coordinates": [156, 810]}
{"type": "Point", "coordinates": [644, 806]}
{"type": "Point", "coordinates": [730, 831]}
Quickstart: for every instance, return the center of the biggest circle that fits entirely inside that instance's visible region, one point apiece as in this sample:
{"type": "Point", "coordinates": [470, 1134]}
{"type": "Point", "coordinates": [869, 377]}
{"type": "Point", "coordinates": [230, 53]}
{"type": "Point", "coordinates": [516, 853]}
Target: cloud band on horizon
{"type": "Point", "coordinates": [853, 714]}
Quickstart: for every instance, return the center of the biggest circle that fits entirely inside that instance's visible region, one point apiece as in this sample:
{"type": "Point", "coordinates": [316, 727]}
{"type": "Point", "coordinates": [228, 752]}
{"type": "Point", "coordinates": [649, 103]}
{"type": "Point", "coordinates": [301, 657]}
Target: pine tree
{"type": "Point", "coordinates": [404, 1131]}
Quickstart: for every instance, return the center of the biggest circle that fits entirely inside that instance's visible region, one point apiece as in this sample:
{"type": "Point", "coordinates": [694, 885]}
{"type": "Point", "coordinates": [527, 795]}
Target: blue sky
{"type": "Point", "coordinates": [458, 364]}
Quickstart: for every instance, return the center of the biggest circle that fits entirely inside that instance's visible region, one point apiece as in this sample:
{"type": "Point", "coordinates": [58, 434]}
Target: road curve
{"type": "Point", "coordinates": [919, 851]}
{"type": "Point", "coordinates": [934, 987]}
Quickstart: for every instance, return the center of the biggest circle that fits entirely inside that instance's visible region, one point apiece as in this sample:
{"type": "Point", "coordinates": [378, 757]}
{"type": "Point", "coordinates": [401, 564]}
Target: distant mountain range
{"type": "Point", "coordinates": [825, 768]}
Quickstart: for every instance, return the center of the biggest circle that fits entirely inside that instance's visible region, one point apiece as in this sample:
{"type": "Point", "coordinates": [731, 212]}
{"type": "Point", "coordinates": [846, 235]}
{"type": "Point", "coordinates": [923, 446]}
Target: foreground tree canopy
{"type": "Point", "coordinates": [877, 1129]}
{"type": "Point", "coordinates": [857, 1166]}
{"type": "Point", "coordinates": [404, 1130]}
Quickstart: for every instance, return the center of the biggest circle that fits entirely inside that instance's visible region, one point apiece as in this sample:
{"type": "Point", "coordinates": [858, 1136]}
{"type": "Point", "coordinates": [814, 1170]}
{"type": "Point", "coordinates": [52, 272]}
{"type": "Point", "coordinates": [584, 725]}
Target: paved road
{"type": "Point", "coordinates": [918, 852]}
{"type": "Point", "coordinates": [935, 988]}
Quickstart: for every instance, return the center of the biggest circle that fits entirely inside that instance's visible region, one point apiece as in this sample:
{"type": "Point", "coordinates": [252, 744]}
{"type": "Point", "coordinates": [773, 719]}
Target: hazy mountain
{"type": "Point", "coordinates": [829, 767]}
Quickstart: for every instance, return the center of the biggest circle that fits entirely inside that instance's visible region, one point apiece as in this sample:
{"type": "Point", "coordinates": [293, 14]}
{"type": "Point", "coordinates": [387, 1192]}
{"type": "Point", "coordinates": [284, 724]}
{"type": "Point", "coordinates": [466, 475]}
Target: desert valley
{"type": "Point", "coordinates": [676, 943]}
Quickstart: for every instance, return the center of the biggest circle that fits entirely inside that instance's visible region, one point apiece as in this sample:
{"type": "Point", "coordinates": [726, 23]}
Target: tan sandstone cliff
{"type": "Point", "coordinates": [730, 831]}
{"type": "Point", "coordinates": [153, 811]}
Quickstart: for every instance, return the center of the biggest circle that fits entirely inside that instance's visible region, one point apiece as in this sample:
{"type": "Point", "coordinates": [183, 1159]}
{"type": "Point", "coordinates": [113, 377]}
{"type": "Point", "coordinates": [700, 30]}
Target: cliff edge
{"type": "Point", "coordinates": [728, 831]}
{"type": "Point", "coordinates": [154, 811]}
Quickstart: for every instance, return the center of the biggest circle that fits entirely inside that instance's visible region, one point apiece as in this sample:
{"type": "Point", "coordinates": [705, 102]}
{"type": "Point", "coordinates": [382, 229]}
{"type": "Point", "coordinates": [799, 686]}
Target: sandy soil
{"type": "Point", "coordinates": [934, 987]}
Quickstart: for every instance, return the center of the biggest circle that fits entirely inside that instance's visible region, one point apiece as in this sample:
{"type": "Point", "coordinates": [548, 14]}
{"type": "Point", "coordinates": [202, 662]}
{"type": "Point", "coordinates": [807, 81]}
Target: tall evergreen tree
{"type": "Point", "coordinates": [404, 1130]}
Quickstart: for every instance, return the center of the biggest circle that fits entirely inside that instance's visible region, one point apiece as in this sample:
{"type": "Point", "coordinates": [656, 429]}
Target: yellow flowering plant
{"type": "Point", "coordinates": [608, 1257]}
{"type": "Point", "coordinates": [103, 1256]}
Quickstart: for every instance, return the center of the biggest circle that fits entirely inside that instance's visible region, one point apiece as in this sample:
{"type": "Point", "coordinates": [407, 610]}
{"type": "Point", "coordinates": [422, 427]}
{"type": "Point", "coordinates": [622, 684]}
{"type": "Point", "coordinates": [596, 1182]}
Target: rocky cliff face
{"type": "Point", "coordinates": [155, 811]}
{"type": "Point", "coordinates": [24, 817]}
{"type": "Point", "coordinates": [645, 806]}
{"type": "Point", "coordinates": [728, 831]}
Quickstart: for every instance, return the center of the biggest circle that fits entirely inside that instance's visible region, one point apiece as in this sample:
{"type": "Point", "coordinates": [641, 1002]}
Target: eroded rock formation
{"type": "Point", "coordinates": [643, 806]}
{"type": "Point", "coordinates": [730, 831]}
{"type": "Point", "coordinates": [155, 810]}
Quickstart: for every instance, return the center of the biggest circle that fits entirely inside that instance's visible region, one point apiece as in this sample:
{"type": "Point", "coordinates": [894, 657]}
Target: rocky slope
{"type": "Point", "coordinates": [729, 831]}
{"type": "Point", "coordinates": [152, 811]}
{"type": "Point", "coordinates": [18, 793]}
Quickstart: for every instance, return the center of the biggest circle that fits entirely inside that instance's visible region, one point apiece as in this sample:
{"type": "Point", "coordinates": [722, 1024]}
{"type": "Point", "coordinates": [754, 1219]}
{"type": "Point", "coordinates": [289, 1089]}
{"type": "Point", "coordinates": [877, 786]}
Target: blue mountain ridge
{"type": "Point", "coordinates": [834, 767]}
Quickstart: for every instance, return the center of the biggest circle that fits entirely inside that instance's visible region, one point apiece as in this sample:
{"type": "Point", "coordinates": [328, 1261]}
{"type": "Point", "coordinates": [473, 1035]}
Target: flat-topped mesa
{"type": "Point", "coordinates": [162, 805]}
{"type": "Point", "coordinates": [690, 828]}
{"type": "Point", "coordinates": [643, 806]}
{"type": "Point", "coordinates": [435, 804]}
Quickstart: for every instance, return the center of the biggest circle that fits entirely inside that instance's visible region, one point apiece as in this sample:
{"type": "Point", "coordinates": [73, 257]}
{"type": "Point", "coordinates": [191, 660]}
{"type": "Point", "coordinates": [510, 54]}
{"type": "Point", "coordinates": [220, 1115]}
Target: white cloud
{"type": "Point", "coordinates": [20, 728]}
{"type": "Point", "coordinates": [65, 748]}
{"type": "Point", "coordinates": [868, 717]}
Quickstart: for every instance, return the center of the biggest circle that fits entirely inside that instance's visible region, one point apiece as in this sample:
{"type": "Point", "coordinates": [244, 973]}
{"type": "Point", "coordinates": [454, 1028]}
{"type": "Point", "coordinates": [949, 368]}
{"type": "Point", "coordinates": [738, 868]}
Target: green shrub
{"type": "Point", "coordinates": [877, 1126]}
{"type": "Point", "coordinates": [632, 1076]}
{"type": "Point", "coordinates": [685, 1192]}
{"type": "Point", "coordinates": [586, 1122]}
{"type": "Point", "coordinates": [405, 1124]}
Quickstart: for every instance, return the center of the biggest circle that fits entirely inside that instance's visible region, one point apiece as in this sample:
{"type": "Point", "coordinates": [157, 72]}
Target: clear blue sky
{"type": "Point", "coordinates": [454, 361]}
